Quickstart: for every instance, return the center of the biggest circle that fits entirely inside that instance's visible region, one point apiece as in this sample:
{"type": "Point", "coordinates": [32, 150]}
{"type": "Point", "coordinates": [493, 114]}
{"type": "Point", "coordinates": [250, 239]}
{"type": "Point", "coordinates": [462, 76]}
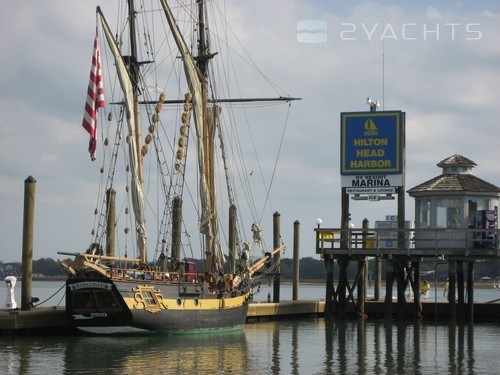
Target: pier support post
{"type": "Point", "coordinates": [27, 255]}
{"type": "Point", "coordinates": [361, 287]}
{"type": "Point", "coordinates": [461, 313]}
{"type": "Point", "coordinates": [415, 288]}
{"type": "Point", "coordinates": [329, 286]}
{"type": "Point", "coordinates": [276, 258]}
{"type": "Point", "coordinates": [363, 269]}
{"type": "Point", "coordinates": [389, 281]}
{"type": "Point", "coordinates": [378, 277]}
{"type": "Point", "coordinates": [470, 290]}
{"type": "Point", "coordinates": [296, 260]}
{"type": "Point", "coordinates": [343, 261]}
{"type": "Point", "coordinates": [401, 285]}
{"type": "Point", "coordinates": [342, 287]}
{"type": "Point", "coordinates": [452, 272]}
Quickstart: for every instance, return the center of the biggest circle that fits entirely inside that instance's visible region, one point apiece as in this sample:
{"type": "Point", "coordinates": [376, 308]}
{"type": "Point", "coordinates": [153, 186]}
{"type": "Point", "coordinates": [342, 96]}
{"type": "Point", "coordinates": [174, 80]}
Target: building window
{"type": "Point", "coordinates": [424, 210]}
{"type": "Point", "coordinates": [480, 203]}
{"type": "Point", "coordinates": [448, 213]}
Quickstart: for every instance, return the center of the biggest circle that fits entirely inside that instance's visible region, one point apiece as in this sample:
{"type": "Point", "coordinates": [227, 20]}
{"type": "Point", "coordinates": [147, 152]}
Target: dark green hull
{"type": "Point", "coordinates": [103, 305]}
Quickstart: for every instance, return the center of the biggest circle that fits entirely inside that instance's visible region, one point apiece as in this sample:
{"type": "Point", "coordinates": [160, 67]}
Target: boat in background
{"type": "Point", "coordinates": [108, 292]}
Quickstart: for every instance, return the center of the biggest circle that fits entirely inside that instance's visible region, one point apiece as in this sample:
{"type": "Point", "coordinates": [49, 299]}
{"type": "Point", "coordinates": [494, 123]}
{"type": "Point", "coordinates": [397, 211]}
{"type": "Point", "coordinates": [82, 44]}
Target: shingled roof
{"type": "Point", "coordinates": [455, 182]}
{"type": "Point", "coordinates": [456, 160]}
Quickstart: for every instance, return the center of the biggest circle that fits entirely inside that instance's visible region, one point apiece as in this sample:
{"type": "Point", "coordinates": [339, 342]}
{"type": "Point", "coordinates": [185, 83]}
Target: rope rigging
{"type": "Point", "coordinates": [170, 176]}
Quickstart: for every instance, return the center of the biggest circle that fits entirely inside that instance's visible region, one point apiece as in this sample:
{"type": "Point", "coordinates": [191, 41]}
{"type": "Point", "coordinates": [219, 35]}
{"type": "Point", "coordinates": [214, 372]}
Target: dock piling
{"type": "Point", "coordinates": [27, 255]}
{"type": "Point", "coordinates": [296, 260]}
{"type": "Point", "coordinates": [277, 256]}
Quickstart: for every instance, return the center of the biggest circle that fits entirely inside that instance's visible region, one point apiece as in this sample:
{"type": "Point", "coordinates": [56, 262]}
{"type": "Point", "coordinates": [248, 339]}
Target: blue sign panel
{"type": "Point", "coordinates": [372, 143]}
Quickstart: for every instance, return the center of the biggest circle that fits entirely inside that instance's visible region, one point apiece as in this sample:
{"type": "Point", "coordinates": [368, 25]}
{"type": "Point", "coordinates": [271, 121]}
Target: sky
{"type": "Point", "coordinates": [438, 61]}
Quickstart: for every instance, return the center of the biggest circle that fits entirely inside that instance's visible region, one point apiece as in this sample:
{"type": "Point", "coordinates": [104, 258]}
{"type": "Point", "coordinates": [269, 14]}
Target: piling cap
{"type": "Point", "coordinates": [30, 179]}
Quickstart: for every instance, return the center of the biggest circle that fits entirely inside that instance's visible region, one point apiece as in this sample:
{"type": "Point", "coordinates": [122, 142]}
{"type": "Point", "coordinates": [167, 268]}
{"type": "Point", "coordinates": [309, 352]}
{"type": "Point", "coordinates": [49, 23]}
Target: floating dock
{"type": "Point", "coordinates": [54, 321]}
{"type": "Point", "coordinates": [284, 310]}
{"type": "Point", "coordinates": [38, 319]}
{"type": "Point", "coordinates": [483, 311]}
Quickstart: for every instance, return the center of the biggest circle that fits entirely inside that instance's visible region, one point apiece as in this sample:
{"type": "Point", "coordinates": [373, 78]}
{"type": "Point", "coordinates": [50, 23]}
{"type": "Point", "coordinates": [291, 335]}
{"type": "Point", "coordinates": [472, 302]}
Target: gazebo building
{"type": "Point", "coordinates": [456, 199]}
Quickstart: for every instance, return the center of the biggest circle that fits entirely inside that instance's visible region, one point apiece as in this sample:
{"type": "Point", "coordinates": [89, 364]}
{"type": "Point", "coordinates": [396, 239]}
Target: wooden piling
{"type": "Point", "coordinates": [341, 294]}
{"type": "Point", "coordinates": [276, 258]}
{"type": "Point", "coordinates": [415, 288]}
{"type": "Point", "coordinates": [176, 229]}
{"type": "Point", "coordinates": [232, 239]}
{"type": "Point", "coordinates": [470, 290]}
{"type": "Point", "coordinates": [27, 255]}
{"type": "Point", "coordinates": [378, 277]}
{"type": "Point", "coordinates": [389, 281]}
{"type": "Point", "coordinates": [399, 273]}
{"type": "Point", "coordinates": [296, 260]}
{"type": "Point", "coordinates": [363, 271]}
{"type": "Point", "coordinates": [329, 286]}
{"type": "Point", "coordinates": [110, 222]}
{"type": "Point", "coordinates": [461, 313]}
{"type": "Point", "coordinates": [452, 273]}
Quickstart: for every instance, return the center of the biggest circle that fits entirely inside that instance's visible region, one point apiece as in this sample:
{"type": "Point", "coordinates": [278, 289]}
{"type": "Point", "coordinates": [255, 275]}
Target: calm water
{"type": "Point", "coordinates": [308, 346]}
{"type": "Point", "coordinates": [293, 347]}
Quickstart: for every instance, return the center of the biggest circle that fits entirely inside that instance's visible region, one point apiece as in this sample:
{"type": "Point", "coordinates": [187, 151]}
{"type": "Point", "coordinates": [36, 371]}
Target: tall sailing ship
{"type": "Point", "coordinates": [119, 290]}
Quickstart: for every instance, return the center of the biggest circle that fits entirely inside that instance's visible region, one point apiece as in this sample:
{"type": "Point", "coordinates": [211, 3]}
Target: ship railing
{"type": "Point", "coordinates": [153, 275]}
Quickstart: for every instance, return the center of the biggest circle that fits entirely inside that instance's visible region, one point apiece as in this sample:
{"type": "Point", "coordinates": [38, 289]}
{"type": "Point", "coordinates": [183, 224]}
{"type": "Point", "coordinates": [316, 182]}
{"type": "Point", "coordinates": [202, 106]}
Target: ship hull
{"type": "Point", "coordinates": [106, 306]}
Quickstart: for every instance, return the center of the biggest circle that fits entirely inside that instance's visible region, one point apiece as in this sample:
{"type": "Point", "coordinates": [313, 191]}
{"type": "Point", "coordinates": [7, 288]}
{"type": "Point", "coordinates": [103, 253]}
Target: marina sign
{"type": "Point", "coordinates": [372, 183]}
{"type": "Point", "coordinates": [389, 190]}
{"type": "Point", "coordinates": [372, 143]}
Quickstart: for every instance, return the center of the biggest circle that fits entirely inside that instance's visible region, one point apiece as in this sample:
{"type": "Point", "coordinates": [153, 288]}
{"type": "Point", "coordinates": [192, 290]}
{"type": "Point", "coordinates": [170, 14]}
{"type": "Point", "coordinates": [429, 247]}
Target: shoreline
{"type": "Point", "coordinates": [478, 284]}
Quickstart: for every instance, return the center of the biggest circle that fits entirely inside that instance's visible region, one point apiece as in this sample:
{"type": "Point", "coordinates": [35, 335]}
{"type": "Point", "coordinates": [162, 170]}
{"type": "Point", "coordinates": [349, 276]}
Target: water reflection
{"type": "Point", "coordinates": [309, 346]}
{"type": "Point", "coordinates": [405, 347]}
{"type": "Point", "coordinates": [192, 354]}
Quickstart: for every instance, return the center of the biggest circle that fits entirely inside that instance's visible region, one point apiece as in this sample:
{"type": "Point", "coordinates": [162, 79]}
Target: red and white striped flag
{"type": "Point", "coordinates": [95, 98]}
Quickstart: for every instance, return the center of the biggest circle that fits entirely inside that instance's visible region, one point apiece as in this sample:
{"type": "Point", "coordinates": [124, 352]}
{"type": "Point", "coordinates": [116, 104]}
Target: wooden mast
{"type": "Point", "coordinates": [208, 141]}
{"type": "Point", "coordinates": [134, 73]}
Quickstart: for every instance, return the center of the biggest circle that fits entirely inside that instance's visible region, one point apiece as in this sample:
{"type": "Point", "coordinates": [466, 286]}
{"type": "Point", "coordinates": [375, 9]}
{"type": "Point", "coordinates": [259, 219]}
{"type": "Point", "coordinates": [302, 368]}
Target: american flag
{"type": "Point", "coordinates": [95, 98]}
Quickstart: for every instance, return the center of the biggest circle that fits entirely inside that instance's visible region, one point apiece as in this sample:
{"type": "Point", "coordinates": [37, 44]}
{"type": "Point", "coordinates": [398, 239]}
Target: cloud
{"type": "Point", "coordinates": [446, 82]}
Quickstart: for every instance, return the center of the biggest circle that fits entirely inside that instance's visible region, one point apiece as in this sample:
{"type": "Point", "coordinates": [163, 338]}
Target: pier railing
{"type": "Point", "coordinates": [411, 242]}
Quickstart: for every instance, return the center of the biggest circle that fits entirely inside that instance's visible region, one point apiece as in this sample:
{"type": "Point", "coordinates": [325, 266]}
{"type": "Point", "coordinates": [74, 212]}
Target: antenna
{"type": "Point", "coordinates": [383, 74]}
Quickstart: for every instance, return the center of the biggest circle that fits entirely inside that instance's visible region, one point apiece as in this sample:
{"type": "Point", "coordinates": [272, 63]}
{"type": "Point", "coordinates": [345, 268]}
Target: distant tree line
{"type": "Point", "coordinates": [43, 266]}
{"type": "Point", "coordinates": [309, 269]}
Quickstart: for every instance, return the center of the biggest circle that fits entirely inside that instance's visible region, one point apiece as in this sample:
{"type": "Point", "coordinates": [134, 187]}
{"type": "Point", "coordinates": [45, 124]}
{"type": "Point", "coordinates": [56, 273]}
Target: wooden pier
{"type": "Point", "coordinates": [36, 320]}
{"type": "Point", "coordinates": [284, 310]}
{"type": "Point", "coordinates": [50, 321]}
{"type": "Point", "coordinates": [484, 312]}
{"type": "Point", "coordinates": [458, 248]}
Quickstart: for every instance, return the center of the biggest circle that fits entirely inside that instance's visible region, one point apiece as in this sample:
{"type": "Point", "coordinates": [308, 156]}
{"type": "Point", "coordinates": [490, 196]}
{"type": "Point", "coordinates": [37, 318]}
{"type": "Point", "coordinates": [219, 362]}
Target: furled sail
{"type": "Point", "coordinates": [138, 202]}
{"type": "Point", "coordinates": [208, 215]}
